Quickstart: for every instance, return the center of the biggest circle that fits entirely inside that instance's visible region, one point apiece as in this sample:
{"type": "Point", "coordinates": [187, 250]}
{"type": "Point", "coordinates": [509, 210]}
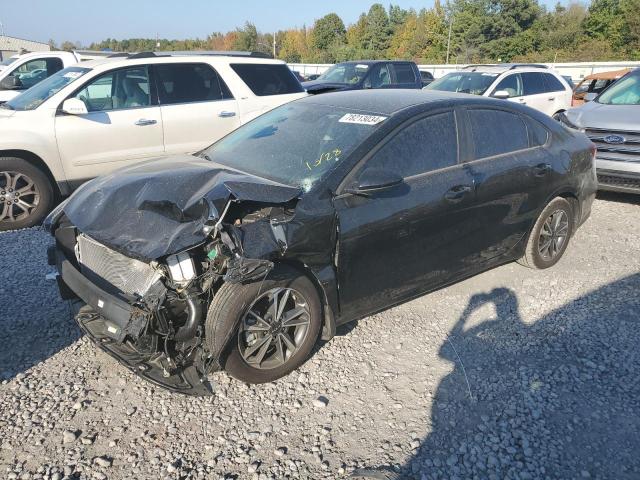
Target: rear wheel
{"type": "Point", "coordinates": [26, 194]}
{"type": "Point", "coordinates": [550, 235]}
{"type": "Point", "coordinates": [276, 324]}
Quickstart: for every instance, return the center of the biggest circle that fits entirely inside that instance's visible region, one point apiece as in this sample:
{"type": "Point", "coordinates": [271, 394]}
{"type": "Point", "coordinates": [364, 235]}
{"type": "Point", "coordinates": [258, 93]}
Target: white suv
{"type": "Point", "coordinates": [91, 118]}
{"type": "Point", "coordinates": [534, 85]}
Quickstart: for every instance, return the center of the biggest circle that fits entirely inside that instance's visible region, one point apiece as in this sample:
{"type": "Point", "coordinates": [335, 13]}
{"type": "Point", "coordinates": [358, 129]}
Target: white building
{"type": "Point", "coordinates": [12, 45]}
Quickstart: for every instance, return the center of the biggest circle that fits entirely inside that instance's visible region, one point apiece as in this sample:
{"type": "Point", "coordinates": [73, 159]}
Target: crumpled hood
{"type": "Point", "coordinates": [608, 117]}
{"type": "Point", "coordinates": [160, 207]}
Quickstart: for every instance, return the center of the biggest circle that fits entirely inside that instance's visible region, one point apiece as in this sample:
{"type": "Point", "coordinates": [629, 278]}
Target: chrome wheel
{"type": "Point", "coordinates": [19, 196]}
{"type": "Point", "coordinates": [553, 235]}
{"type": "Point", "coordinates": [274, 328]}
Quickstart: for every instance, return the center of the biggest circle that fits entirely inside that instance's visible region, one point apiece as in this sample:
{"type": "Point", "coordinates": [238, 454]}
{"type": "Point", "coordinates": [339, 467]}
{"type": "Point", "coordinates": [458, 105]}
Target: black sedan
{"type": "Point", "coordinates": [320, 212]}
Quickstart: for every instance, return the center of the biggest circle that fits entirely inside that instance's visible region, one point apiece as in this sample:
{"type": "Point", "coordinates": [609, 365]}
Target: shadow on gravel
{"type": "Point", "coordinates": [34, 322]}
{"type": "Point", "coordinates": [559, 398]}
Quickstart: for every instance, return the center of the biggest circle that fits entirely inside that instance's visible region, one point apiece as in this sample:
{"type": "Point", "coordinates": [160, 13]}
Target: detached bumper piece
{"type": "Point", "coordinates": [111, 321]}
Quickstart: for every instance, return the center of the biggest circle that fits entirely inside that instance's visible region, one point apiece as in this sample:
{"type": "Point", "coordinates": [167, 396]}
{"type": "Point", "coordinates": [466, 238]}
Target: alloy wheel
{"type": "Point", "coordinates": [19, 196]}
{"type": "Point", "coordinates": [553, 235]}
{"type": "Point", "coordinates": [274, 328]}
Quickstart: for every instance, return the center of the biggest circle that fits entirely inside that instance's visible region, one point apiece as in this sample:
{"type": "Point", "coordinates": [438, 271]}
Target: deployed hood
{"type": "Point", "coordinates": [161, 207]}
{"type": "Point", "coordinates": [606, 117]}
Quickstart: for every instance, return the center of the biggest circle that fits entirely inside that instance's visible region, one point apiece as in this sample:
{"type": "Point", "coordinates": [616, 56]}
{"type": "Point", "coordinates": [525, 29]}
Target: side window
{"type": "Point", "coordinates": [512, 84]}
{"type": "Point", "coordinates": [268, 79]}
{"type": "Point", "coordinates": [425, 145]}
{"type": "Point", "coordinates": [34, 71]}
{"type": "Point", "coordinates": [117, 90]}
{"type": "Point", "coordinates": [378, 76]}
{"type": "Point", "coordinates": [553, 83]}
{"type": "Point", "coordinates": [404, 73]}
{"type": "Point", "coordinates": [538, 134]}
{"type": "Point", "coordinates": [599, 85]}
{"type": "Point", "coordinates": [533, 83]}
{"type": "Point", "coordinates": [494, 132]}
{"type": "Point", "coordinates": [190, 82]}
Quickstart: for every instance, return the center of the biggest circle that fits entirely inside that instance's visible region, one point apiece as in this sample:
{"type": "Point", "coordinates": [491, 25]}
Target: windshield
{"type": "Point", "coordinates": [295, 144]}
{"type": "Point", "coordinates": [625, 91]}
{"type": "Point", "coordinates": [464, 82]}
{"type": "Point", "coordinates": [350, 73]}
{"type": "Point", "coordinates": [36, 95]}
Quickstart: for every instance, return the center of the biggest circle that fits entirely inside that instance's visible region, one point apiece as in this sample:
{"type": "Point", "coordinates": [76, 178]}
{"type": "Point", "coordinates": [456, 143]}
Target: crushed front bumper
{"type": "Point", "coordinates": [108, 320]}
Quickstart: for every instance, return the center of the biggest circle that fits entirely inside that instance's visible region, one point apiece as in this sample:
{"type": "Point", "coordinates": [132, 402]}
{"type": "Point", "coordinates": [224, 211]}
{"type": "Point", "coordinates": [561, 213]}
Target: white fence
{"type": "Point", "coordinates": [577, 70]}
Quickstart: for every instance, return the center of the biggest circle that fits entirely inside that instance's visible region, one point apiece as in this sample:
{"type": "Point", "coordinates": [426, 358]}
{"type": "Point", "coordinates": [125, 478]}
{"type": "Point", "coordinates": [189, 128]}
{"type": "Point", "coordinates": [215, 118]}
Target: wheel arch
{"type": "Point", "coordinates": [40, 164]}
{"type": "Point", "coordinates": [322, 281]}
{"type": "Point", "coordinates": [572, 198]}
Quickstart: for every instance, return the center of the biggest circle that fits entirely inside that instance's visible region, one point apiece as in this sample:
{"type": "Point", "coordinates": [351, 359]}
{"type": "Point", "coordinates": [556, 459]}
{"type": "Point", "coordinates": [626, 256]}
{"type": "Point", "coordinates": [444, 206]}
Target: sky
{"type": "Point", "coordinates": [86, 21]}
{"type": "Point", "coordinates": [90, 20]}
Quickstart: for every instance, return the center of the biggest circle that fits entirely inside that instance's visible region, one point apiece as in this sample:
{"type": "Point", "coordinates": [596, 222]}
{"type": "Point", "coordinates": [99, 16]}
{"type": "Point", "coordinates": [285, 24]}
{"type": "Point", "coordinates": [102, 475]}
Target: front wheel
{"type": "Point", "coordinates": [26, 194]}
{"type": "Point", "coordinates": [550, 235]}
{"type": "Point", "coordinates": [276, 324]}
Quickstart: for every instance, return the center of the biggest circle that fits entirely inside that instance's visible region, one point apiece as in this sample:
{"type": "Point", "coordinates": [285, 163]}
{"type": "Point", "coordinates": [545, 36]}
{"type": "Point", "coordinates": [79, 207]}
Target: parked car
{"type": "Point", "coordinates": [22, 72]}
{"type": "Point", "coordinates": [569, 81]}
{"type": "Point", "coordinates": [313, 76]}
{"type": "Point", "coordinates": [298, 75]}
{"type": "Point", "coordinates": [536, 86]}
{"type": "Point", "coordinates": [89, 119]}
{"type": "Point", "coordinates": [595, 83]}
{"type": "Point", "coordinates": [426, 77]}
{"type": "Point", "coordinates": [365, 74]}
{"type": "Point", "coordinates": [233, 258]}
{"type": "Point", "coordinates": [612, 122]}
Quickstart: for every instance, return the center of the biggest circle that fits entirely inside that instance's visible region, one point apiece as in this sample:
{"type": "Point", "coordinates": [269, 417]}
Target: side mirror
{"type": "Point", "coordinates": [501, 94]}
{"type": "Point", "coordinates": [11, 82]}
{"type": "Point", "coordinates": [74, 106]}
{"type": "Point", "coordinates": [374, 180]}
{"type": "Point", "coordinates": [589, 97]}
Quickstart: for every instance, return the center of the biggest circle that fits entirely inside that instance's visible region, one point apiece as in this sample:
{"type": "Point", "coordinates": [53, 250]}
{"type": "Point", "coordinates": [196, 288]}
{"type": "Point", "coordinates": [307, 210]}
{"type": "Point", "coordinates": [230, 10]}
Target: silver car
{"type": "Point", "coordinates": [612, 121]}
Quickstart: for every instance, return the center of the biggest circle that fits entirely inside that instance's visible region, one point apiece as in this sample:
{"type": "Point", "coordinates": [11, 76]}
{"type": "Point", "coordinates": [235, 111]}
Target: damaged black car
{"type": "Point", "coordinates": [322, 211]}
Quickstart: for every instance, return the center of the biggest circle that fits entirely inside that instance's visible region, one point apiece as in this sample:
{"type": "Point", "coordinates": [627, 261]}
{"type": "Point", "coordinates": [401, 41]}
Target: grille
{"type": "Point", "coordinates": [128, 275]}
{"type": "Point", "coordinates": [629, 151]}
{"type": "Point", "coordinates": [624, 182]}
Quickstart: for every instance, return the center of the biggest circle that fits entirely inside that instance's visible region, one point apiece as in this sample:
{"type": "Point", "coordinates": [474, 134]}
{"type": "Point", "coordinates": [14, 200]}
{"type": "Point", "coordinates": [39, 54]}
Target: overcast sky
{"type": "Point", "coordinates": [89, 20]}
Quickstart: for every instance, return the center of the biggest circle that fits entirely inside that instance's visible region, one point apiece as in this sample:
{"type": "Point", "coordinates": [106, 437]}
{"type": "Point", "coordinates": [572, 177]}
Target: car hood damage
{"type": "Point", "coordinates": [162, 207]}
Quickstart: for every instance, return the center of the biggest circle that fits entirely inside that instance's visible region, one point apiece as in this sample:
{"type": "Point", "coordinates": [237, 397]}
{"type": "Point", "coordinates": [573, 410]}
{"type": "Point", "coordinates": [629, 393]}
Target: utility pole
{"type": "Point", "coordinates": [274, 44]}
{"type": "Point", "coordinates": [449, 40]}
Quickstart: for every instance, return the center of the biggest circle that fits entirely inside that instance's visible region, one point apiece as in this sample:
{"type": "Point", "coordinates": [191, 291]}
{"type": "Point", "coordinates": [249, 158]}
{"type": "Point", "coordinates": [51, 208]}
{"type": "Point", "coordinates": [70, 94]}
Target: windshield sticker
{"type": "Point", "coordinates": [72, 74]}
{"type": "Point", "coordinates": [362, 66]}
{"type": "Point", "coordinates": [325, 157]}
{"type": "Point", "coordinates": [362, 119]}
{"type": "Point", "coordinates": [489, 74]}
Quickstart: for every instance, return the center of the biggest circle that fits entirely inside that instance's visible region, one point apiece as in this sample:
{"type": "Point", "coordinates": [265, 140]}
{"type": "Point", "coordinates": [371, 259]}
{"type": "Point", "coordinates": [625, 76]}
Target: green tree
{"type": "Point", "coordinates": [328, 34]}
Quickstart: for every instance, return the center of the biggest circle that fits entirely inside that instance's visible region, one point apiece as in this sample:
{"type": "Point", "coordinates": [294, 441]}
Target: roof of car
{"type": "Point", "coordinates": [371, 62]}
{"type": "Point", "coordinates": [115, 62]}
{"type": "Point", "coordinates": [389, 101]}
{"type": "Point", "coordinates": [608, 75]}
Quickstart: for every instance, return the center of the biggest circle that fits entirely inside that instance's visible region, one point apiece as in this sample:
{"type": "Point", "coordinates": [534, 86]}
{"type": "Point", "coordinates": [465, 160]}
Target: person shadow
{"type": "Point", "coordinates": [555, 398]}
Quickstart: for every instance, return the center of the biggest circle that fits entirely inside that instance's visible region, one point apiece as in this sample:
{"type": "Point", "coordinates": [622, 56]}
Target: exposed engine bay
{"type": "Point", "coordinates": [151, 313]}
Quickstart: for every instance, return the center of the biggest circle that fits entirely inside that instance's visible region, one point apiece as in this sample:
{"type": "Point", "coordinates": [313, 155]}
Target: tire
{"type": "Point", "coordinates": [231, 327]}
{"type": "Point", "coordinates": [35, 194]}
{"type": "Point", "coordinates": [555, 225]}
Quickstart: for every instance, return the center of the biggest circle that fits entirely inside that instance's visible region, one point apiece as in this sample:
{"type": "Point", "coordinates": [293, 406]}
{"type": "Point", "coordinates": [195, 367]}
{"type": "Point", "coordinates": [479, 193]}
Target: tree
{"type": "Point", "coordinates": [67, 46]}
{"type": "Point", "coordinates": [328, 31]}
{"type": "Point", "coordinates": [246, 38]}
{"type": "Point", "coordinates": [377, 36]}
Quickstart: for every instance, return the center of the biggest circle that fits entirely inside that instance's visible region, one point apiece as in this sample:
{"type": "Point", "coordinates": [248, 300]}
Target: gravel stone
{"type": "Point", "coordinates": [512, 374]}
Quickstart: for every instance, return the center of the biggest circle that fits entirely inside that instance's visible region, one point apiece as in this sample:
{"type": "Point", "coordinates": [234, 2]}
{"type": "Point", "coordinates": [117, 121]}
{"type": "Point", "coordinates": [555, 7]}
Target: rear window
{"type": "Point", "coordinates": [488, 129]}
{"type": "Point", "coordinates": [266, 79]}
{"type": "Point", "coordinates": [553, 84]}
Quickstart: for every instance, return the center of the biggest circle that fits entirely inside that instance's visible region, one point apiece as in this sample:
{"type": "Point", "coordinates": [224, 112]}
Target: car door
{"type": "Point", "coordinates": [560, 95]}
{"type": "Point", "coordinates": [512, 172]}
{"type": "Point", "coordinates": [399, 242]}
{"type": "Point", "coordinates": [512, 84]}
{"type": "Point", "coordinates": [537, 94]}
{"type": "Point", "coordinates": [196, 105]}
{"type": "Point", "coordinates": [123, 124]}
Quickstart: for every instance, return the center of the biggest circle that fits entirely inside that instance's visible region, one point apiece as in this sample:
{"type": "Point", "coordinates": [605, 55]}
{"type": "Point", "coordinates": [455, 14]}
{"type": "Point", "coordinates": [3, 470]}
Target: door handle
{"type": "Point", "coordinates": [457, 193]}
{"type": "Point", "coordinates": [225, 114]}
{"type": "Point", "coordinates": [144, 121]}
{"type": "Point", "coordinates": [541, 169]}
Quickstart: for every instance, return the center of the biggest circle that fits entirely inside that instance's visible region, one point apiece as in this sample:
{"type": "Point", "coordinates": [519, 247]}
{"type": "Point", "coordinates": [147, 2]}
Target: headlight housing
{"type": "Point", "coordinates": [51, 222]}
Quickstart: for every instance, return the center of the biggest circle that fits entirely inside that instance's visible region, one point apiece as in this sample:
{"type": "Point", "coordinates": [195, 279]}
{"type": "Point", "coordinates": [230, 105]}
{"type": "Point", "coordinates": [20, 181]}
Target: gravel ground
{"type": "Point", "coordinates": [511, 374]}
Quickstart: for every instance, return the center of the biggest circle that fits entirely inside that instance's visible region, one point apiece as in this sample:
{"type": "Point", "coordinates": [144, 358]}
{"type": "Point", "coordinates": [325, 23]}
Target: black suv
{"type": "Point", "coordinates": [362, 74]}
